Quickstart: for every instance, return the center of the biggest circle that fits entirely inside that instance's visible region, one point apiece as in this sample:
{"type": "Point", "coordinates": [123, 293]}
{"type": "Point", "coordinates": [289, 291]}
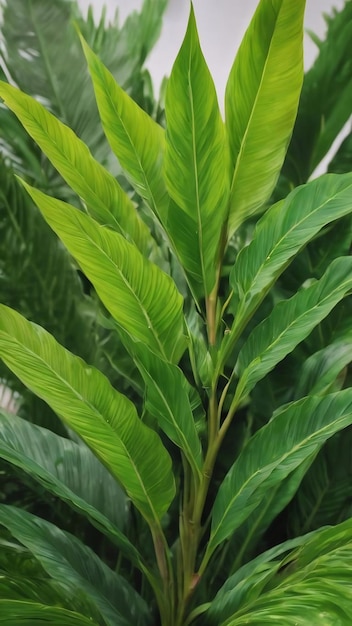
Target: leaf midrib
{"type": "Point", "coordinates": [280, 460]}
{"type": "Point", "coordinates": [91, 407]}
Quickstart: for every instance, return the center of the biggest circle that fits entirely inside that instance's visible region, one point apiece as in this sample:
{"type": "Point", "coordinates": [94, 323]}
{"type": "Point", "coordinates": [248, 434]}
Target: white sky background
{"type": "Point", "coordinates": [221, 26]}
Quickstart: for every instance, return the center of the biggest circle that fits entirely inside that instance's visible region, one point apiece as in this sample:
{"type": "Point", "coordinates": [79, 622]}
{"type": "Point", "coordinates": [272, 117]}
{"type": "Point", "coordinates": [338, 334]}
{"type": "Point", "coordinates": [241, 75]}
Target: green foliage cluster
{"type": "Point", "coordinates": [211, 480]}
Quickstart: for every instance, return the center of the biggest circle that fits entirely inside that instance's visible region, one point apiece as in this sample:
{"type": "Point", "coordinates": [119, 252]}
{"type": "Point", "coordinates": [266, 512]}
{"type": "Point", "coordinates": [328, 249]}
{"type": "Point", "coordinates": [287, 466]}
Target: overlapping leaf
{"type": "Point", "coordinates": [289, 323]}
{"type": "Point", "coordinates": [142, 299]}
{"type": "Point", "coordinates": [261, 103]}
{"type": "Point", "coordinates": [320, 371]}
{"type": "Point", "coordinates": [65, 558]}
{"type": "Point", "coordinates": [280, 234]}
{"type": "Point", "coordinates": [295, 433]}
{"type": "Point", "coordinates": [310, 585]}
{"type": "Point", "coordinates": [102, 194]}
{"type": "Point", "coordinates": [196, 161]}
{"type": "Point", "coordinates": [70, 471]}
{"type": "Point", "coordinates": [105, 419]}
{"type": "Point", "coordinates": [18, 613]}
{"type": "Point", "coordinates": [136, 139]}
{"type": "Point", "coordinates": [168, 399]}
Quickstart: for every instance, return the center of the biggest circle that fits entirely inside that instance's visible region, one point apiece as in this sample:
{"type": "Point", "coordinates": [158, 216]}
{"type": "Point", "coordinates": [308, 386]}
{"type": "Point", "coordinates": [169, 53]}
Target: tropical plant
{"type": "Point", "coordinates": [37, 276]}
{"type": "Point", "coordinates": [204, 466]}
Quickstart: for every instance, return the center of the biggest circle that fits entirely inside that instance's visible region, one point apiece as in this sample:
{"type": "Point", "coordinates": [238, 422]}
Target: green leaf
{"type": "Point", "coordinates": [289, 323]}
{"type": "Point", "coordinates": [142, 298]}
{"type": "Point", "coordinates": [102, 194]}
{"type": "Point", "coordinates": [23, 578]}
{"type": "Point", "coordinates": [311, 586]}
{"type": "Point", "coordinates": [325, 103]}
{"type": "Point", "coordinates": [136, 139]}
{"type": "Point", "coordinates": [16, 613]}
{"type": "Point", "coordinates": [105, 419]}
{"type": "Point", "coordinates": [294, 434]}
{"type": "Point", "coordinates": [249, 534]}
{"type": "Point", "coordinates": [247, 583]}
{"type": "Point", "coordinates": [196, 162]}
{"type": "Point", "coordinates": [279, 236]}
{"type": "Point", "coordinates": [261, 103]}
{"type": "Point", "coordinates": [320, 371]}
{"type": "Point", "coordinates": [168, 400]}
{"type": "Point", "coordinates": [325, 494]}
{"type": "Point", "coordinates": [65, 558]}
{"type": "Point", "coordinates": [70, 471]}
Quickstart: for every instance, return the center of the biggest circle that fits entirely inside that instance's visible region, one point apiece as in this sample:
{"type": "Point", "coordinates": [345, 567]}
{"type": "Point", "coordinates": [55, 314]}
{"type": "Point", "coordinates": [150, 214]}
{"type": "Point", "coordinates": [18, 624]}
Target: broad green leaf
{"type": "Point", "coordinates": [247, 583]}
{"type": "Point", "coordinates": [196, 161]}
{"type": "Point", "coordinates": [102, 194]}
{"type": "Point", "coordinates": [289, 323]}
{"type": "Point", "coordinates": [261, 103]}
{"type": "Point", "coordinates": [320, 371]}
{"type": "Point", "coordinates": [105, 419]}
{"type": "Point", "coordinates": [66, 558]}
{"type": "Point", "coordinates": [136, 139]}
{"type": "Point", "coordinates": [168, 400]}
{"type": "Point", "coordinates": [295, 433]}
{"type": "Point", "coordinates": [142, 298]}
{"type": "Point", "coordinates": [70, 471]}
{"type": "Point", "coordinates": [250, 534]}
{"type": "Point", "coordinates": [313, 585]}
{"type": "Point", "coordinates": [325, 494]}
{"type": "Point", "coordinates": [23, 578]}
{"type": "Point", "coordinates": [280, 235]}
{"type": "Point", "coordinates": [16, 613]}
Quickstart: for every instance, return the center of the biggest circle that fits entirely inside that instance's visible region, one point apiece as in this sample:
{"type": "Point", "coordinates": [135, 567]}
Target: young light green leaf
{"type": "Point", "coordinates": [104, 197]}
{"type": "Point", "coordinates": [70, 471]}
{"type": "Point", "coordinates": [105, 419]}
{"type": "Point", "coordinates": [168, 400]}
{"type": "Point", "coordinates": [294, 434]}
{"type": "Point", "coordinates": [18, 613]}
{"type": "Point", "coordinates": [142, 299]}
{"type": "Point", "coordinates": [261, 103]}
{"type": "Point", "coordinates": [66, 558]}
{"type": "Point", "coordinates": [136, 139]}
{"type": "Point", "coordinates": [289, 323]}
{"type": "Point", "coordinates": [281, 233]}
{"type": "Point", "coordinates": [196, 160]}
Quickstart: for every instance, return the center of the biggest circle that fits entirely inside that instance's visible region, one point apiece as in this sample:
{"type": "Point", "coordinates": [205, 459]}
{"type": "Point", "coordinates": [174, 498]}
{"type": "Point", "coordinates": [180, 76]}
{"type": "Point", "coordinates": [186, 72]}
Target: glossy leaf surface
{"type": "Point", "coordinates": [196, 161]}
{"type": "Point", "coordinates": [136, 139]}
{"type": "Point", "coordinates": [70, 471]}
{"type": "Point", "coordinates": [296, 432]}
{"type": "Point", "coordinates": [168, 399]}
{"type": "Point", "coordinates": [142, 299]}
{"type": "Point", "coordinates": [105, 419]}
{"type": "Point", "coordinates": [311, 585]}
{"type": "Point", "coordinates": [289, 323]}
{"type": "Point", "coordinates": [280, 234]}
{"type": "Point", "coordinates": [261, 103]}
{"type": "Point", "coordinates": [102, 194]}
